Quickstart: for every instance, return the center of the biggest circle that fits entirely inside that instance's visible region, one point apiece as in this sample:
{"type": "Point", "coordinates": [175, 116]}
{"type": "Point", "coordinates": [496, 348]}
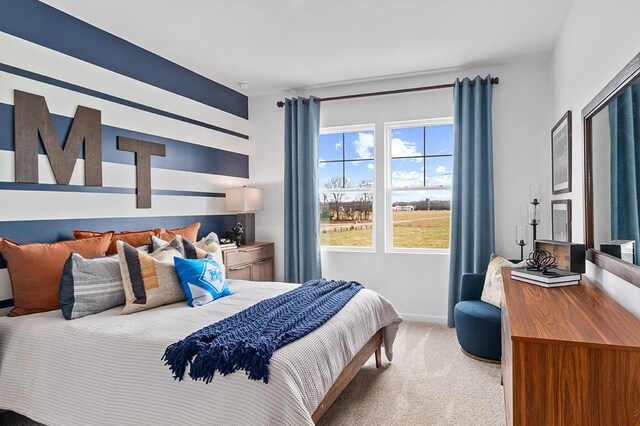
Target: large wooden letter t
{"type": "Point", "coordinates": [144, 150]}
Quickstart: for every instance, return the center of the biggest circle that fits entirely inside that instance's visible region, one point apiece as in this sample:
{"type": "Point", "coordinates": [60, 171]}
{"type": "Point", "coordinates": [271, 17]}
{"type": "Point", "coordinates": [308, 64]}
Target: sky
{"type": "Point", "coordinates": [356, 146]}
{"type": "Point", "coordinates": [406, 172]}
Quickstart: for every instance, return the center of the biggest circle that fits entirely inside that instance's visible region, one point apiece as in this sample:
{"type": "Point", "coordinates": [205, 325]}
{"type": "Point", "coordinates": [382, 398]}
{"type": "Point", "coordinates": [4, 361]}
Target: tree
{"type": "Point", "coordinates": [366, 199]}
{"type": "Point", "coordinates": [335, 198]}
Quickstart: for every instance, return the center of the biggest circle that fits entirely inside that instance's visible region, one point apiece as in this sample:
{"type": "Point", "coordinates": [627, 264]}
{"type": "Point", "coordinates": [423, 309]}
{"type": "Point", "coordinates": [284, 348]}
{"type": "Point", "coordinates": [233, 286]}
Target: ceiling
{"type": "Point", "coordinates": [277, 45]}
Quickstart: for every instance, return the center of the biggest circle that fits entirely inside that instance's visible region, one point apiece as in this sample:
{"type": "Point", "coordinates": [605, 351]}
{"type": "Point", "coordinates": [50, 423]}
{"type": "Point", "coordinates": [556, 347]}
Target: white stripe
{"type": "Point", "coordinates": [44, 205]}
{"type": "Point", "coordinates": [33, 57]}
{"type": "Point", "coordinates": [95, 290]}
{"type": "Point", "coordinates": [124, 176]}
{"type": "Point", "coordinates": [65, 102]}
{"type": "Point", "coordinates": [109, 283]}
{"type": "Point", "coordinates": [5, 285]}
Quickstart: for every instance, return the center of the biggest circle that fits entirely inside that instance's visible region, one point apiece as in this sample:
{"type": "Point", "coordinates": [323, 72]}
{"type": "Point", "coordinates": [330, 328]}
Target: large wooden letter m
{"type": "Point", "coordinates": [32, 122]}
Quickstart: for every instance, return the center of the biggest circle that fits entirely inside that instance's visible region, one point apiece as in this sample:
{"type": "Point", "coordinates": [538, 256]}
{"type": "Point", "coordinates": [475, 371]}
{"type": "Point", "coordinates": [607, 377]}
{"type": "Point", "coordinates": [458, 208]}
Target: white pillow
{"type": "Point", "coordinates": [208, 244]}
{"type": "Point", "coordinates": [492, 291]}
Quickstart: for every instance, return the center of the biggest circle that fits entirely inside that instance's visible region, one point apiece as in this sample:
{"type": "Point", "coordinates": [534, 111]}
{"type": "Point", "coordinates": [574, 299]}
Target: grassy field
{"type": "Point", "coordinates": [416, 229]}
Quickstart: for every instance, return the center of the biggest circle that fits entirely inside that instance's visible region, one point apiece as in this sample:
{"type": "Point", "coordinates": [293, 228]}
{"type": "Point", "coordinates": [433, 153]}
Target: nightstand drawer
{"type": "Point", "coordinates": [249, 254]}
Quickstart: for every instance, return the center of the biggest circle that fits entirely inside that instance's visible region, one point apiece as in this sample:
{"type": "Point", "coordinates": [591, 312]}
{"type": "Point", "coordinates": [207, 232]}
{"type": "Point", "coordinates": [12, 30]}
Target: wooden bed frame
{"type": "Point", "coordinates": [372, 346]}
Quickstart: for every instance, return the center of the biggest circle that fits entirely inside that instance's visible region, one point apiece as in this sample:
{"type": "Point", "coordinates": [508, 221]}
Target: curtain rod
{"type": "Point", "coordinates": [494, 80]}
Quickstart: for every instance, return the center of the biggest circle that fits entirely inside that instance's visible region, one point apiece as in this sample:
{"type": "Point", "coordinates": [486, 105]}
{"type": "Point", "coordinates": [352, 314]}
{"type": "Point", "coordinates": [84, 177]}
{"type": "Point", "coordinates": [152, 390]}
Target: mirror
{"type": "Point", "coordinates": [612, 172]}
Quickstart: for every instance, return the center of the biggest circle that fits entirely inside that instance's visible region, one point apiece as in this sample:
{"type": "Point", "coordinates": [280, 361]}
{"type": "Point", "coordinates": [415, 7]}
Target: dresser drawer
{"type": "Point", "coordinates": [249, 254]}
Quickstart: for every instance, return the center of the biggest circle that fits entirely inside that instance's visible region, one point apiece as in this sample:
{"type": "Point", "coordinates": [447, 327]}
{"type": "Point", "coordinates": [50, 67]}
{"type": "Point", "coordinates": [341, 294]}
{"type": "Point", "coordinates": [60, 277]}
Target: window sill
{"type": "Point", "coordinates": [348, 249]}
{"type": "Point", "coordinates": [438, 251]}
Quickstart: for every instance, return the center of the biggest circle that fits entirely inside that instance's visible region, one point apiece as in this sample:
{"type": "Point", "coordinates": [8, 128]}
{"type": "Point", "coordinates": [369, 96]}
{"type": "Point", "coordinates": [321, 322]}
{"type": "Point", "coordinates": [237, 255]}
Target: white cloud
{"type": "Point", "coordinates": [338, 146]}
{"type": "Point", "coordinates": [443, 180]}
{"type": "Point", "coordinates": [370, 166]}
{"type": "Point", "coordinates": [441, 170]}
{"type": "Point", "coordinates": [364, 145]}
{"type": "Point", "coordinates": [404, 178]}
{"type": "Point", "coordinates": [402, 148]}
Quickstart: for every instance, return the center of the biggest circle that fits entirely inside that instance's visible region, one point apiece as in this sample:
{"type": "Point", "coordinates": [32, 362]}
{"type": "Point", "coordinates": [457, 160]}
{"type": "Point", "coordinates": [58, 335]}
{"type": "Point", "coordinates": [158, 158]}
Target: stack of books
{"type": "Point", "coordinates": [553, 277]}
{"type": "Point", "coordinates": [228, 246]}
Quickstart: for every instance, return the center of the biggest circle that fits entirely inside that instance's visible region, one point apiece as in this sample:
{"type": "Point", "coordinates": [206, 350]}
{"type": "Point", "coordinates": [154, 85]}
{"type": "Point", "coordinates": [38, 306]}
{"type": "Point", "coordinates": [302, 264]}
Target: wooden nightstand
{"type": "Point", "coordinates": [252, 262]}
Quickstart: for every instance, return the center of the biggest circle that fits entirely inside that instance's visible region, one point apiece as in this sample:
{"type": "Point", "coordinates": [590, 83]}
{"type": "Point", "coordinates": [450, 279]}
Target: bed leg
{"type": "Point", "coordinates": [378, 358]}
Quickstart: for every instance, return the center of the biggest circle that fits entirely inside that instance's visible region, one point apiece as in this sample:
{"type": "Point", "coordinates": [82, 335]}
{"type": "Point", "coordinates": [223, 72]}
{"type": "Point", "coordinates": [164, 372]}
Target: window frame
{"type": "Point", "coordinates": [373, 190]}
{"type": "Point", "coordinates": [389, 190]}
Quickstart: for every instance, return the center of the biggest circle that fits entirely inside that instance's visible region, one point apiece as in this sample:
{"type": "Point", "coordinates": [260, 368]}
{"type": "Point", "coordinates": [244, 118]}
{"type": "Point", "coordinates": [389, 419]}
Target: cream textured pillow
{"type": "Point", "coordinates": [209, 244]}
{"type": "Point", "coordinates": [150, 280]}
{"type": "Point", "coordinates": [492, 291]}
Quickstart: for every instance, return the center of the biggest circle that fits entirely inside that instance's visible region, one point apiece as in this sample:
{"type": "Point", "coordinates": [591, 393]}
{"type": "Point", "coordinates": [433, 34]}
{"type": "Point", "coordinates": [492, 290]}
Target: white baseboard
{"type": "Point", "coordinates": [424, 318]}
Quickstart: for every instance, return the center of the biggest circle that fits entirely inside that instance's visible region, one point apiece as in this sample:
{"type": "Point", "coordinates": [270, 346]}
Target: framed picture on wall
{"type": "Point", "coordinates": [561, 155]}
{"type": "Point", "coordinates": [561, 220]}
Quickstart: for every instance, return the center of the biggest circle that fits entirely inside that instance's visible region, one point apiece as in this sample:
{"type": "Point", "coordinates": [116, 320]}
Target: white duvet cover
{"type": "Point", "coordinates": [106, 369]}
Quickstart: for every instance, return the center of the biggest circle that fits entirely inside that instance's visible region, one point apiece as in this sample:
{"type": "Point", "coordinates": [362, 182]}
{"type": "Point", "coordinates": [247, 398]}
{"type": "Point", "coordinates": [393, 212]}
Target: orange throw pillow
{"type": "Point", "coordinates": [190, 232]}
{"type": "Point", "coordinates": [35, 270]}
{"type": "Point", "coordinates": [133, 238]}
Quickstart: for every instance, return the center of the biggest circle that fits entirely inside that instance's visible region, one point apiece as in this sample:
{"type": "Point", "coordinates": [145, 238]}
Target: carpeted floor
{"type": "Point", "coordinates": [430, 382]}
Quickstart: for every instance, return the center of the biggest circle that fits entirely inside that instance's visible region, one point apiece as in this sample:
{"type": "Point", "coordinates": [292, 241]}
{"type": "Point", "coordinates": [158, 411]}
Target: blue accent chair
{"type": "Point", "coordinates": [477, 323]}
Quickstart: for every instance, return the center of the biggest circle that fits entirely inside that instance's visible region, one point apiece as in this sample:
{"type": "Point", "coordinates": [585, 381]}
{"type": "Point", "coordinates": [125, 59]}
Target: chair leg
{"type": "Point", "coordinates": [378, 358]}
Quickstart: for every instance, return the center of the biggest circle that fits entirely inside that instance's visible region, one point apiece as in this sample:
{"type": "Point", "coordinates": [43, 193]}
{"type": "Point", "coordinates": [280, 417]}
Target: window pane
{"type": "Point", "coordinates": [330, 175]}
{"type": "Point", "coordinates": [421, 219]}
{"type": "Point", "coordinates": [440, 140]}
{"type": "Point", "coordinates": [330, 147]}
{"type": "Point", "coordinates": [359, 174]}
{"type": "Point", "coordinates": [407, 142]}
{"type": "Point", "coordinates": [407, 172]}
{"type": "Point", "coordinates": [439, 171]}
{"type": "Point", "coordinates": [346, 219]}
{"type": "Point", "coordinates": [359, 145]}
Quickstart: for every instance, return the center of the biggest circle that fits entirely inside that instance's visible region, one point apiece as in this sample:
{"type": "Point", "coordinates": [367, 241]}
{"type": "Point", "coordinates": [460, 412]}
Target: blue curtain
{"type": "Point", "coordinates": [472, 223]}
{"type": "Point", "coordinates": [301, 198]}
{"type": "Point", "coordinates": [624, 124]}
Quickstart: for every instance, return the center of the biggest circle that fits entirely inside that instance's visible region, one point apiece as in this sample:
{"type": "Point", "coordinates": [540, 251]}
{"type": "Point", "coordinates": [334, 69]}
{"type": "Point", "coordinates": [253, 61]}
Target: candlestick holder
{"type": "Point", "coordinates": [534, 209]}
{"type": "Point", "coordinates": [521, 239]}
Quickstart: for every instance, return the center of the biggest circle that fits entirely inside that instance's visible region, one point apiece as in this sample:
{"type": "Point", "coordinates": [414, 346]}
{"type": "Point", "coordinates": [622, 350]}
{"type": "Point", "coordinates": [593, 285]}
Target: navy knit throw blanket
{"type": "Point", "coordinates": [248, 339]}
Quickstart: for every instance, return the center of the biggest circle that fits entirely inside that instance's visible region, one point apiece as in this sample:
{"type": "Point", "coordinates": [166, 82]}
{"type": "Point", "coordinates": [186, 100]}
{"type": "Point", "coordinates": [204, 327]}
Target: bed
{"type": "Point", "coordinates": [106, 369]}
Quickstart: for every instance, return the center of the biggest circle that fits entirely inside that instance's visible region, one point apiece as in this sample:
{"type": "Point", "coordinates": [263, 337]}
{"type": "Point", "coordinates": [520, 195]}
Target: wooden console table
{"type": "Point", "coordinates": [570, 356]}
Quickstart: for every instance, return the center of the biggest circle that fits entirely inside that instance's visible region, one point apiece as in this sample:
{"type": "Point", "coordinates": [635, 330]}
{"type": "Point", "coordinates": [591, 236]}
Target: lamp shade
{"type": "Point", "coordinates": [244, 199]}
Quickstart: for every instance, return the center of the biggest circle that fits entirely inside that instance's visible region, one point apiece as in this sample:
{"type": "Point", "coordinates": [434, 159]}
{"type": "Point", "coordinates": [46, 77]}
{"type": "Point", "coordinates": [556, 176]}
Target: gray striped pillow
{"type": "Point", "coordinates": [90, 286]}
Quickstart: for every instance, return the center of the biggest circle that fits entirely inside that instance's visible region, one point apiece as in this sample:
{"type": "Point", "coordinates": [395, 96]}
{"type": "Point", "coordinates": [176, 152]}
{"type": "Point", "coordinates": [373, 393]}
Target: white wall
{"type": "Point", "coordinates": [599, 38]}
{"type": "Point", "coordinates": [417, 283]}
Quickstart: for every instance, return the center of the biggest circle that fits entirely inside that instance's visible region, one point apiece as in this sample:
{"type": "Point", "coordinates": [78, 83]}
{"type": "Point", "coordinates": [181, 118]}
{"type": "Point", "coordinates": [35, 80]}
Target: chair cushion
{"type": "Point", "coordinates": [492, 290]}
{"type": "Point", "coordinates": [478, 328]}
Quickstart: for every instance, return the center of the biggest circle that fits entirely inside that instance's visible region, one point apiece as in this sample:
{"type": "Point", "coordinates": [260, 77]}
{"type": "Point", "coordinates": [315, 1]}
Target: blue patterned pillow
{"type": "Point", "coordinates": [202, 280]}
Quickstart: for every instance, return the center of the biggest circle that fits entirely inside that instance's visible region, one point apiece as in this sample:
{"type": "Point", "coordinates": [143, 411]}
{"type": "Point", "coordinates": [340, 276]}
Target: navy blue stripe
{"type": "Point", "coordinates": [48, 231]}
{"type": "Point", "coordinates": [19, 186]}
{"type": "Point", "coordinates": [181, 155]}
{"type": "Point", "coordinates": [6, 303]}
{"type": "Point", "coordinates": [42, 24]}
{"type": "Point", "coordinates": [101, 95]}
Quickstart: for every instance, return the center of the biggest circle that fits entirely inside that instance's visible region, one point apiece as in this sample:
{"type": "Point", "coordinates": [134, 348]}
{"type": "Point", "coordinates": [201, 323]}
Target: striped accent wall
{"type": "Point", "coordinates": [203, 124]}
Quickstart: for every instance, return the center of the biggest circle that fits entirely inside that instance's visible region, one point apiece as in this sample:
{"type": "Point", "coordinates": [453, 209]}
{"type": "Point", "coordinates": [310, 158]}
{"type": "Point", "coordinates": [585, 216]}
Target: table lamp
{"type": "Point", "coordinates": [244, 201]}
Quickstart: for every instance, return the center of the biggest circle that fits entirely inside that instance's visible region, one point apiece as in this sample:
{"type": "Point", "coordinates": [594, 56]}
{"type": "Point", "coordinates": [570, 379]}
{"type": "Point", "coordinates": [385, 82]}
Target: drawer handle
{"type": "Point", "coordinates": [238, 268]}
{"type": "Point", "coordinates": [250, 249]}
{"type": "Point", "coordinates": [263, 261]}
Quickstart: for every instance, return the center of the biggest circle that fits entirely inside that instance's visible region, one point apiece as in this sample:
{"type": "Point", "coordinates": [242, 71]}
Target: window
{"type": "Point", "coordinates": [347, 185]}
{"type": "Point", "coordinates": [418, 184]}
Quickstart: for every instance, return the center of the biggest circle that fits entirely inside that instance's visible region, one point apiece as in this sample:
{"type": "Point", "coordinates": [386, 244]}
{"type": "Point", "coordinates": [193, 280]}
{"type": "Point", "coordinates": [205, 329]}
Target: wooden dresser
{"type": "Point", "coordinates": [253, 262]}
{"type": "Point", "coordinates": [570, 356]}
